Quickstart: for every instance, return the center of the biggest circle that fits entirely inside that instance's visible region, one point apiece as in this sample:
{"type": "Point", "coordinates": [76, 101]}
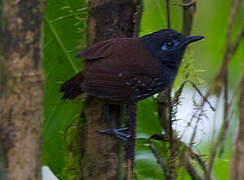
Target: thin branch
{"type": "Point", "coordinates": [172, 134]}
{"type": "Point", "coordinates": [236, 91]}
{"type": "Point", "coordinates": [168, 12]}
{"type": "Point", "coordinates": [162, 108]}
{"type": "Point", "coordinates": [201, 162]}
{"type": "Point", "coordinates": [223, 131]}
{"type": "Point", "coordinates": [188, 154]}
{"type": "Point", "coordinates": [178, 93]}
{"type": "Point", "coordinates": [199, 115]}
{"type": "Point", "coordinates": [165, 105]}
{"type": "Point", "coordinates": [189, 8]}
{"type": "Point", "coordinates": [222, 78]}
{"type": "Point", "coordinates": [238, 157]}
{"type": "Point", "coordinates": [187, 3]}
{"type": "Point", "coordinates": [237, 42]}
{"type": "Point", "coordinates": [233, 12]}
{"type": "Point", "coordinates": [230, 49]}
{"type": "Point", "coordinates": [160, 160]}
{"type": "Point", "coordinates": [171, 138]}
{"type": "Point", "coordinates": [215, 87]}
{"type": "Point", "coordinates": [192, 170]}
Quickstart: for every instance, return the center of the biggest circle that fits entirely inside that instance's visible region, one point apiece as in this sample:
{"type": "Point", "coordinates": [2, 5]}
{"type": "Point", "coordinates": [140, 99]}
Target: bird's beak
{"type": "Point", "coordinates": [190, 39]}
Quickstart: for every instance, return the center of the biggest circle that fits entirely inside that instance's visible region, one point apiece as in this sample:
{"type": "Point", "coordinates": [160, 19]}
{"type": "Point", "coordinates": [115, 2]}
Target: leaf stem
{"type": "Point", "coordinates": [60, 43]}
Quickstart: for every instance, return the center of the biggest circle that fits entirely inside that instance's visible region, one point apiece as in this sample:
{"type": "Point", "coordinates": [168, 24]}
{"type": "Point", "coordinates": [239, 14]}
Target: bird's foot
{"type": "Point", "coordinates": [117, 133]}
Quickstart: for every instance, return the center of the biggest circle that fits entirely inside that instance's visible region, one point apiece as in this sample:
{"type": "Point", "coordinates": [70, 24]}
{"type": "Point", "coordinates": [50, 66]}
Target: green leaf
{"type": "Point", "coordinates": [153, 17]}
{"type": "Point", "coordinates": [146, 166]}
{"type": "Point", "coordinates": [147, 120]}
{"type": "Point", "coordinates": [209, 52]}
{"type": "Point", "coordinates": [64, 28]}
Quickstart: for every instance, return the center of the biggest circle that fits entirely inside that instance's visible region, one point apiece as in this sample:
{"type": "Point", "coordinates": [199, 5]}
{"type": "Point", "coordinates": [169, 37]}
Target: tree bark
{"type": "Point", "coordinates": [237, 167]}
{"type": "Point", "coordinates": [103, 157]}
{"type": "Point", "coordinates": [21, 106]}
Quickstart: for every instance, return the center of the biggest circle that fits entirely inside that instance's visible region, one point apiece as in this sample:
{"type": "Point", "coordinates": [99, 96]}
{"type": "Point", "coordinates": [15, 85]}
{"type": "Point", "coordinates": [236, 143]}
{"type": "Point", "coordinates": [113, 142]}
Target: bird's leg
{"type": "Point", "coordinates": [118, 133]}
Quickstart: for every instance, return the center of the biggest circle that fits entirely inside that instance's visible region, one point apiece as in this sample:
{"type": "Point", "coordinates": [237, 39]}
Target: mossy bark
{"type": "Point", "coordinates": [237, 166]}
{"type": "Point", "coordinates": [21, 80]}
{"type": "Point", "coordinates": [104, 157]}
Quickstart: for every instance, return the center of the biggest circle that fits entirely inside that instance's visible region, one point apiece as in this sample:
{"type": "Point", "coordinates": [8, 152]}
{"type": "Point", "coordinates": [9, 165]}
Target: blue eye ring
{"type": "Point", "coordinates": [170, 45]}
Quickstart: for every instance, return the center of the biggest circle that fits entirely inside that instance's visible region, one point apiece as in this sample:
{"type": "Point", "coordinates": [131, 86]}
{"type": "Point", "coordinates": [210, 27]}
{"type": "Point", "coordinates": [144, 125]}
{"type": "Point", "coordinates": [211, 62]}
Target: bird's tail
{"type": "Point", "coordinates": [72, 88]}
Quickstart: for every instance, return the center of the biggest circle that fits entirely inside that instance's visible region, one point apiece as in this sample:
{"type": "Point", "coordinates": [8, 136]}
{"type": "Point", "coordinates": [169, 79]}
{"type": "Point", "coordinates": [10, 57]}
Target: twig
{"type": "Point", "coordinates": [165, 116]}
{"type": "Point", "coordinates": [238, 155]}
{"type": "Point", "coordinates": [223, 131]}
{"type": "Point", "coordinates": [176, 99]}
{"type": "Point", "coordinates": [162, 108]}
{"type": "Point", "coordinates": [171, 133]}
{"type": "Point", "coordinates": [222, 78]}
{"type": "Point", "coordinates": [236, 91]}
{"type": "Point", "coordinates": [168, 12]}
{"type": "Point", "coordinates": [227, 57]}
{"type": "Point", "coordinates": [204, 98]}
{"type": "Point", "coordinates": [195, 128]}
{"type": "Point", "coordinates": [160, 161]}
{"type": "Point", "coordinates": [189, 8]}
{"type": "Point", "coordinates": [237, 41]}
{"type": "Point", "coordinates": [199, 160]}
{"type": "Point", "coordinates": [193, 172]}
{"type": "Point", "coordinates": [188, 154]}
{"type": "Point", "coordinates": [187, 4]}
{"type": "Point", "coordinates": [233, 12]}
{"type": "Point", "coordinates": [178, 93]}
{"type": "Point", "coordinates": [230, 49]}
{"type": "Point", "coordinates": [171, 139]}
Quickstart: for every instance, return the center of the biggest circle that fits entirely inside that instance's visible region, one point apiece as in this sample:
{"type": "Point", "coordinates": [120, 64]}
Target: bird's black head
{"type": "Point", "coordinates": [167, 45]}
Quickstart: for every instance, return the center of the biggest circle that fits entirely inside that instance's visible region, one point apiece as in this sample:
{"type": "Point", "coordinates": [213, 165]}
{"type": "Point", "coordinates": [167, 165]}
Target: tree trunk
{"type": "Point", "coordinates": [104, 157]}
{"type": "Point", "coordinates": [21, 107]}
{"type": "Point", "coordinates": [237, 172]}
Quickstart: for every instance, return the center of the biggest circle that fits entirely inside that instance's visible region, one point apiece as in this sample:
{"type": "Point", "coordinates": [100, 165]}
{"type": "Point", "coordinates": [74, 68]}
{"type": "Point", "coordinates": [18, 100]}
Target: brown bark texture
{"type": "Point", "coordinates": [21, 98]}
{"type": "Point", "coordinates": [103, 156]}
{"type": "Point", "coordinates": [237, 172]}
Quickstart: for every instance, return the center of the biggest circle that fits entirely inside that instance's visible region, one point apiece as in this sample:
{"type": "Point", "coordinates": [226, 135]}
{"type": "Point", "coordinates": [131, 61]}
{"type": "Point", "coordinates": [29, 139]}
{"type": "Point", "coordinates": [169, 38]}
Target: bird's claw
{"type": "Point", "coordinates": [117, 133]}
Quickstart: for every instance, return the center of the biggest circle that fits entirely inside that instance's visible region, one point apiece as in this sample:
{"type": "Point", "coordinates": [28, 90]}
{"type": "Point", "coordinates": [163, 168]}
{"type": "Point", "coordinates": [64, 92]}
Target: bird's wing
{"type": "Point", "coordinates": [125, 74]}
{"type": "Point", "coordinates": [98, 50]}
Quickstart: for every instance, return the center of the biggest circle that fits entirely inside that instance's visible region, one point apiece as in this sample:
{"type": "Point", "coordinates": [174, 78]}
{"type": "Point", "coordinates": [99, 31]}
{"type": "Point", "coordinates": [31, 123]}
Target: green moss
{"type": "Point", "coordinates": [72, 155]}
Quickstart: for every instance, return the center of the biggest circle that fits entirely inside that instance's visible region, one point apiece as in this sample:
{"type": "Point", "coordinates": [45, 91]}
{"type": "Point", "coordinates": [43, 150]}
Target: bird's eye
{"type": "Point", "coordinates": [170, 45]}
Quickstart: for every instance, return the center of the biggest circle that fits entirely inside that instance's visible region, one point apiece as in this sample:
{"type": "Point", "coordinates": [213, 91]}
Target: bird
{"type": "Point", "coordinates": [127, 70]}
{"type": "Point", "coordinates": [123, 70]}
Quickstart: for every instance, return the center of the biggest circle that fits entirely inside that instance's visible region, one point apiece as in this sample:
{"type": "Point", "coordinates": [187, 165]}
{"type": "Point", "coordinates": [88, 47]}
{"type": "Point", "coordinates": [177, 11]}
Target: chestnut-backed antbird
{"type": "Point", "coordinates": [123, 70]}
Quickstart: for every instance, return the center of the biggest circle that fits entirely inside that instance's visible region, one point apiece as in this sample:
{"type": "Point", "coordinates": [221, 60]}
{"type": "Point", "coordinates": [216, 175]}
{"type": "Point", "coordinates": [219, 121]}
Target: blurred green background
{"type": "Point", "coordinates": [64, 36]}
